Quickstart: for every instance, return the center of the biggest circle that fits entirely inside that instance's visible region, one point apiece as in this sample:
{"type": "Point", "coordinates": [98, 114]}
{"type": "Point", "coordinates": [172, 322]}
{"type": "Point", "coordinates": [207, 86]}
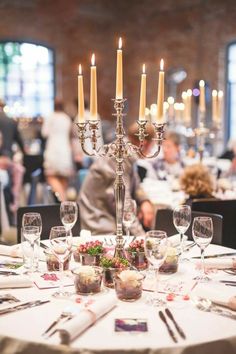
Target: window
{"type": "Point", "coordinates": [232, 89]}
{"type": "Point", "coordinates": [26, 79]}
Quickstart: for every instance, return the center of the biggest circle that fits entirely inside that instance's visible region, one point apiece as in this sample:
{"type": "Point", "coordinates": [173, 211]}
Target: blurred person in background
{"type": "Point", "coordinates": [197, 182]}
{"type": "Point", "coordinates": [58, 161]}
{"type": "Point", "coordinates": [170, 163]}
{"type": "Point", "coordinates": [97, 200]}
{"type": "Point", "coordinates": [12, 171]}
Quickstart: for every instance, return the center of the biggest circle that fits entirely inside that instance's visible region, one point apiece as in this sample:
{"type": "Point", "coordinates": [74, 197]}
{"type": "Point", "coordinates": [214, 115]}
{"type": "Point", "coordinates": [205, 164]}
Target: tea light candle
{"type": "Point", "coordinates": [93, 89]}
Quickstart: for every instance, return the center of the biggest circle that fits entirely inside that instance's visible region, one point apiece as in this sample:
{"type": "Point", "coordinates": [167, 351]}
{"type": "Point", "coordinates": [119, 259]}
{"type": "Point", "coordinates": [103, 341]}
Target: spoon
{"type": "Point", "coordinates": [204, 304]}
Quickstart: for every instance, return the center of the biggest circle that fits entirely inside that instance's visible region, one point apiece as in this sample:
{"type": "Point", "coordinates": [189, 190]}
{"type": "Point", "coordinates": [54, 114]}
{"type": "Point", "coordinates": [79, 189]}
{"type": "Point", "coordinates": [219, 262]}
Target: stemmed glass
{"type": "Point", "coordinates": [68, 214]}
{"type": "Point", "coordinates": [182, 221]}
{"type": "Point", "coordinates": [129, 214]}
{"type": "Point", "coordinates": [60, 243]}
{"type": "Point", "coordinates": [29, 238]}
{"type": "Point", "coordinates": [202, 230]}
{"type": "Point", "coordinates": [155, 246]}
{"type": "Point", "coordinates": [33, 219]}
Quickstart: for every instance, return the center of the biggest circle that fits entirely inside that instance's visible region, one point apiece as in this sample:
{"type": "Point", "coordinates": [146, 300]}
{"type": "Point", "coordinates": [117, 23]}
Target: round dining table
{"type": "Point", "coordinates": [205, 332]}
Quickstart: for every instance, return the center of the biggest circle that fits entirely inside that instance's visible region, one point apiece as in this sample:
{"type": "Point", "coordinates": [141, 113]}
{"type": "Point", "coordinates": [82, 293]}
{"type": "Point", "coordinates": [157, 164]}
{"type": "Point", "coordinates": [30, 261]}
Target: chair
{"type": "Point", "coordinates": [226, 208]}
{"type": "Point", "coordinates": [50, 215]}
{"type": "Point", "coordinates": [164, 221]}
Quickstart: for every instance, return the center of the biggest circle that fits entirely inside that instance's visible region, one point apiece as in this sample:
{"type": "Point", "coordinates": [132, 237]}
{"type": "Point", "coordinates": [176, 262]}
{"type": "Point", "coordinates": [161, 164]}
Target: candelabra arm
{"type": "Point", "coordinates": [159, 132]}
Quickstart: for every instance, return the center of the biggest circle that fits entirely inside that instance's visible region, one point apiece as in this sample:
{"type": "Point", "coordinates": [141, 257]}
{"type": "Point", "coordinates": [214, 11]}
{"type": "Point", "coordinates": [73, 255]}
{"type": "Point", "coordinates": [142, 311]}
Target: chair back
{"type": "Point", "coordinates": [164, 221]}
{"type": "Point", "coordinates": [226, 208]}
{"type": "Point", "coordinates": [50, 215]}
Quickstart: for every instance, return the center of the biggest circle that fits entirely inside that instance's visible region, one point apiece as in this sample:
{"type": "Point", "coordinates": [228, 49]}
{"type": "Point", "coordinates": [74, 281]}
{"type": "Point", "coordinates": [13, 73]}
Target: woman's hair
{"type": "Point", "coordinates": [173, 136]}
{"type": "Point", "coordinates": [196, 181]}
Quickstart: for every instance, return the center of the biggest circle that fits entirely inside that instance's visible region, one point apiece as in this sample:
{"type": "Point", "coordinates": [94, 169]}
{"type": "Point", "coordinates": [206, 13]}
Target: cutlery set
{"type": "Point", "coordinates": [65, 315]}
{"type": "Point", "coordinates": [169, 329]}
{"type": "Point", "coordinates": [23, 306]}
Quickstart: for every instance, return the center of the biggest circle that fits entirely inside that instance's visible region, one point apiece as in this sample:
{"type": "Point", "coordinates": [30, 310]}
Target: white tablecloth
{"type": "Point", "coordinates": [20, 332]}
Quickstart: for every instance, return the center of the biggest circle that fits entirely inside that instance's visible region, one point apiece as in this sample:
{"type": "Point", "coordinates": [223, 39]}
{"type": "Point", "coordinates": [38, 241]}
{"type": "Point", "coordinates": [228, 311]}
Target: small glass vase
{"type": "Point", "coordinates": [129, 290]}
{"type": "Point", "coordinates": [138, 260]}
{"type": "Point", "coordinates": [88, 280]}
{"type": "Point", "coordinates": [108, 276]}
{"type": "Point", "coordinates": [88, 259]}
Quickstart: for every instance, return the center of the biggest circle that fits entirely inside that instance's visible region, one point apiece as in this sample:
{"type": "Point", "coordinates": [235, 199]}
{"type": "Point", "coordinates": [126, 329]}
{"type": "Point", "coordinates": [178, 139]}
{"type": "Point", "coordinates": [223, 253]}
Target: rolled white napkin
{"type": "Point", "coordinates": [71, 329]}
{"type": "Point", "coordinates": [220, 263]}
{"type": "Point", "coordinates": [11, 251]}
{"type": "Point", "coordinates": [175, 240]}
{"type": "Point", "coordinates": [15, 281]}
{"type": "Point", "coordinates": [217, 294]}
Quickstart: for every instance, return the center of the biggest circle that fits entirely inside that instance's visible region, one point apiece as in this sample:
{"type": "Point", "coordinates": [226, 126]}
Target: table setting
{"type": "Point", "coordinates": [80, 317]}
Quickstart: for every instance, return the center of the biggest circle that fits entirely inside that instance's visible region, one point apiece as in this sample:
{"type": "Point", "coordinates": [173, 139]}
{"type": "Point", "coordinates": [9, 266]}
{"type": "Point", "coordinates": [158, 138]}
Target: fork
{"type": "Point", "coordinates": [64, 314]}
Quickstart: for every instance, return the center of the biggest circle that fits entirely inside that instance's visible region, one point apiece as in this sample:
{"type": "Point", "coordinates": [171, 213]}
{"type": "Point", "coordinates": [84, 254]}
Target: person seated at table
{"type": "Point", "coordinates": [170, 163]}
{"type": "Point", "coordinates": [197, 182]}
{"type": "Point", "coordinates": [96, 197]}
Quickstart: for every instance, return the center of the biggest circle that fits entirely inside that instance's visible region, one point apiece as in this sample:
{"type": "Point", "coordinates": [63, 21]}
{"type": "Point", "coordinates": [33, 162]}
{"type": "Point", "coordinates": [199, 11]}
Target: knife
{"type": "Point", "coordinates": [23, 306]}
{"type": "Point", "coordinates": [217, 255]}
{"type": "Point", "coordinates": [171, 333]}
{"type": "Point", "coordinates": [180, 331]}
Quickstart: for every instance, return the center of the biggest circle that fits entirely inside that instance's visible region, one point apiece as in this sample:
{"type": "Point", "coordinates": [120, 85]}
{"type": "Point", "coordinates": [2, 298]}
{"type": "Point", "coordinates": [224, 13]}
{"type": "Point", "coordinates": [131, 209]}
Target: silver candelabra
{"type": "Point", "coordinates": [120, 149]}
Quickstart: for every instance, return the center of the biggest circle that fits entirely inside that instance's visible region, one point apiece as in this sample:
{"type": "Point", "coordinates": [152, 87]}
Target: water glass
{"type": "Point", "coordinates": [30, 244]}
{"type": "Point", "coordinates": [68, 214]}
{"type": "Point", "coordinates": [129, 213]}
{"type": "Point", "coordinates": [60, 244]}
{"type": "Point", "coordinates": [182, 221]}
{"type": "Point", "coordinates": [156, 246]}
{"type": "Point", "coordinates": [202, 230]}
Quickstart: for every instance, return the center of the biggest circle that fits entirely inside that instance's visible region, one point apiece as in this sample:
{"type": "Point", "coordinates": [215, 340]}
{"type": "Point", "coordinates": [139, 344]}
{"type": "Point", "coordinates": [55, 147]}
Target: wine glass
{"type": "Point", "coordinates": [68, 214]}
{"type": "Point", "coordinates": [155, 246]}
{"type": "Point", "coordinates": [30, 236]}
{"type": "Point", "coordinates": [129, 214]}
{"type": "Point", "coordinates": [202, 230]}
{"type": "Point", "coordinates": [60, 243]}
{"type": "Point", "coordinates": [182, 221]}
{"type": "Point", "coordinates": [33, 219]}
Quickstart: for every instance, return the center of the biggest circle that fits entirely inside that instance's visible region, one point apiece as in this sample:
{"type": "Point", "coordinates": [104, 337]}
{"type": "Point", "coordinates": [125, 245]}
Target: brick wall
{"type": "Point", "coordinates": [192, 34]}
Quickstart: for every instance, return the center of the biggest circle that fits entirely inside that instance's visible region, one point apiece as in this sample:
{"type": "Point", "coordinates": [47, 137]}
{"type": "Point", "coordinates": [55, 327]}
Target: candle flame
{"type": "Point", "coordinates": [184, 95]}
{"type": "Point", "coordinates": [220, 93]}
{"type": "Point", "coordinates": [120, 43]}
{"type": "Point", "coordinates": [93, 59]}
{"type": "Point", "coordinates": [201, 83]}
{"type": "Point", "coordinates": [162, 65]}
{"type": "Point", "coordinates": [214, 93]}
{"type": "Point", "coordinates": [189, 92]}
{"type": "Point", "coordinates": [80, 69]}
{"type": "Point", "coordinates": [144, 68]}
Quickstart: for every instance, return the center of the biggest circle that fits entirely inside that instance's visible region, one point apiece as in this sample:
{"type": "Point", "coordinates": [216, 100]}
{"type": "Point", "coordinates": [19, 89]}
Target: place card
{"type": "Point", "coordinates": [51, 280]}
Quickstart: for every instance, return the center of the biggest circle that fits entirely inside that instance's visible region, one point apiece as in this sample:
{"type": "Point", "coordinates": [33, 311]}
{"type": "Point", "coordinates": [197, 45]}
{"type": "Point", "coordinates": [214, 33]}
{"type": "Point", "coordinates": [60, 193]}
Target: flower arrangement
{"type": "Point", "coordinates": [115, 262]}
{"type": "Point", "coordinates": [136, 254]}
{"type": "Point", "coordinates": [111, 266]}
{"type": "Point", "coordinates": [128, 285]}
{"type": "Point", "coordinates": [136, 246]}
{"type": "Point", "coordinates": [93, 248]}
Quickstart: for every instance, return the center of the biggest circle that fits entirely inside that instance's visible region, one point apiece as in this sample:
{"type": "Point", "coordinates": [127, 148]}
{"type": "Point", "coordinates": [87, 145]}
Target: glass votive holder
{"type": "Point", "coordinates": [76, 256]}
{"type": "Point", "coordinates": [128, 285]}
{"type": "Point", "coordinates": [171, 262]}
{"type": "Point", "coordinates": [88, 279]}
{"type": "Point", "coordinates": [52, 261]}
{"type": "Point", "coordinates": [88, 259]}
{"type": "Point", "coordinates": [138, 260]}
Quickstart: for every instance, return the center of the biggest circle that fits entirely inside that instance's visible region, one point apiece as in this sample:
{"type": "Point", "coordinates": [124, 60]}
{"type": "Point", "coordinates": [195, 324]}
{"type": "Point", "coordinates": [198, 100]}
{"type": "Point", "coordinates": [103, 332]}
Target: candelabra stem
{"type": "Point", "coordinates": [119, 185]}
